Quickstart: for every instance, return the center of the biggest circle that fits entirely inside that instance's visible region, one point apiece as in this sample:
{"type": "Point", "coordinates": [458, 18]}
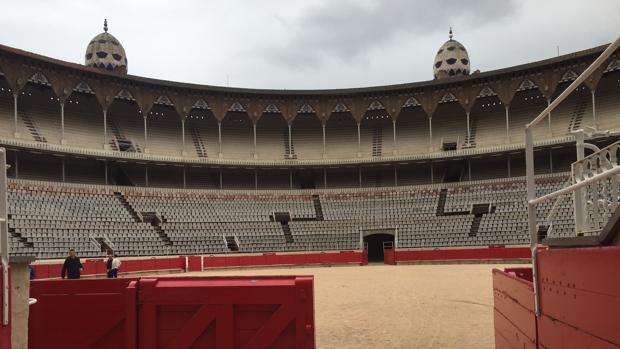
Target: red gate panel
{"type": "Point", "coordinates": [579, 297]}
{"type": "Point", "coordinates": [514, 318]}
{"type": "Point", "coordinates": [226, 312]}
{"type": "Point", "coordinates": [83, 314]}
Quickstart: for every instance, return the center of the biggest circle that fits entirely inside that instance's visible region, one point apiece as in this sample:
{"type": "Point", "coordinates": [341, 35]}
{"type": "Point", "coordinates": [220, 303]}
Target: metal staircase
{"type": "Point", "coordinates": [201, 149]}
{"type": "Point", "coordinates": [576, 116]}
{"type": "Point", "coordinates": [289, 152]}
{"type": "Point", "coordinates": [32, 128]}
{"type": "Point", "coordinates": [377, 141]}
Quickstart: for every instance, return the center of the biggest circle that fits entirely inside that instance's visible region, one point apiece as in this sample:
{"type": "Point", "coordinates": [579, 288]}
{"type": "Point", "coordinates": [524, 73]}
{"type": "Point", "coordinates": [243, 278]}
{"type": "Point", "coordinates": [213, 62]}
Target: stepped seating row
{"type": "Point", "coordinates": [47, 219]}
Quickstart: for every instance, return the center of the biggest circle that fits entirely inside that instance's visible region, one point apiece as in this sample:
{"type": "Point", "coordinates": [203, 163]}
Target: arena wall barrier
{"type": "Point", "coordinates": [477, 253]}
{"type": "Point", "coordinates": [513, 311]}
{"type": "Point", "coordinates": [579, 301]}
{"type": "Point", "coordinates": [222, 312]}
{"type": "Point", "coordinates": [98, 266]}
{"type": "Point", "coordinates": [269, 259]}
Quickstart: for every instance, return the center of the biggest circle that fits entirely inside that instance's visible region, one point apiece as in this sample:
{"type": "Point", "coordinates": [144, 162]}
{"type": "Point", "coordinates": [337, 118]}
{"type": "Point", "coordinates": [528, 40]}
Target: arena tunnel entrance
{"type": "Point", "coordinates": [374, 243]}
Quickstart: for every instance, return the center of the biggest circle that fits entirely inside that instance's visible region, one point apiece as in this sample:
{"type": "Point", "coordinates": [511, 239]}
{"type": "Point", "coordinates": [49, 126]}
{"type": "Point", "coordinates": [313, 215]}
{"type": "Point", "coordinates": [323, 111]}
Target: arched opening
{"type": "Point", "coordinates": [125, 126]}
{"type": "Point", "coordinates": [272, 137]}
{"type": "Point", "coordinates": [39, 114]}
{"type": "Point", "coordinates": [201, 134]}
{"type": "Point", "coordinates": [307, 134]}
{"type": "Point", "coordinates": [374, 243]}
{"type": "Point", "coordinates": [487, 122]}
{"type": "Point", "coordinates": [449, 126]}
{"type": "Point", "coordinates": [412, 131]}
{"type": "Point", "coordinates": [377, 134]}
{"type": "Point", "coordinates": [164, 132]}
{"type": "Point", "coordinates": [237, 135]}
{"type": "Point", "coordinates": [341, 136]}
{"type": "Point", "coordinates": [83, 120]}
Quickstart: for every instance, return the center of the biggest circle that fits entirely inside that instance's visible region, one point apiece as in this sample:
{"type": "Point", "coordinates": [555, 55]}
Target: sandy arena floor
{"type": "Point", "coordinates": [405, 306]}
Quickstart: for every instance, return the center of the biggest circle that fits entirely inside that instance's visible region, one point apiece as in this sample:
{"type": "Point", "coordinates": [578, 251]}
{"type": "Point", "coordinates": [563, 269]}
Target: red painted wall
{"type": "Point", "coordinates": [579, 301]}
{"type": "Point", "coordinates": [463, 254]}
{"type": "Point", "coordinates": [98, 267]}
{"type": "Point", "coordinates": [227, 261]}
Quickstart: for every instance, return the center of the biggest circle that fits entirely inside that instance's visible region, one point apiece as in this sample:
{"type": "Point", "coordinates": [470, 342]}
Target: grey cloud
{"type": "Point", "coordinates": [347, 29]}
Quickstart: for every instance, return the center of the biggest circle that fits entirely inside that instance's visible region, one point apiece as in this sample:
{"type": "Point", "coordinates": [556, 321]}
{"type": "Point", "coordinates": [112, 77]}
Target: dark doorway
{"type": "Point", "coordinates": [375, 246]}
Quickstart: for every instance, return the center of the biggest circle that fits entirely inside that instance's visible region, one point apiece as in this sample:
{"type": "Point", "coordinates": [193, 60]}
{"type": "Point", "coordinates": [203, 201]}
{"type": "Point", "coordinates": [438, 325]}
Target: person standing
{"type": "Point", "coordinates": [112, 265]}
{"type": "Point", "coordinates": [72, 266]}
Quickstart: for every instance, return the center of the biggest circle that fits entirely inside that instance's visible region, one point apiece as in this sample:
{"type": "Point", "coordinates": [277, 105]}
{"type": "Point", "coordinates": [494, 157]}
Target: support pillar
{"type": "Point", "coordinates": [290, 142]}
{"type": "Point", "coordinates": [183, 152]}
{"type": "Point", "coordinates": [359, 176]}
{"type": "Point", "coordinates": [62, 161]}
{"type": "Point", "coordinates": [15, 132]}
{"type": "Point", "coordinates": [508, 165]}
{"type": "Point", "coordinates": [254, 130]}
{"type": "Point", "coordinates": [325, 178]}
{"type": "Point", "coordinates": [550, 160]}
{"type": "Point", "coordinates": [146, 138]}
{"type": "Point", "coordinates": [430, 133]}
{"type": "Point", "coordinates": [359, 141]}
{"type": "Point", "coordinates": [219, 140]}
{"type": "Point", "coordinates": [395, 175]}
{"type": "Point", "coordinates": [507, 124]}
{"type": "Point", "coordinates": [62, 124]}
{"type": "Point", "coordinates": [324, 153]}
{"type": "Point", "coordinates": [105, 128]}
{"type": "Point", "coordinates": [468, 130]}
{"type": "Point", "coordinates": [394, 151]}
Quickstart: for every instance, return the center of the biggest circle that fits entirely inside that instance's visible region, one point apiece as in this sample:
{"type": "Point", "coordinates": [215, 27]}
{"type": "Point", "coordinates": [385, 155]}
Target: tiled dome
{"type": "Point", "coordinates": [104, 51]}
{"type": "Point", "coordinates": [451, 60]}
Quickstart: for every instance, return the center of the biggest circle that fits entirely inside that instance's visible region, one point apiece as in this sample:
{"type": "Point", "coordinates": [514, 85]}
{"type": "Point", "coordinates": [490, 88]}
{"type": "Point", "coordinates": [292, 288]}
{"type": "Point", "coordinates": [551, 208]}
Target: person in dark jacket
{"type": "Point", "coordinates": [72, 266]}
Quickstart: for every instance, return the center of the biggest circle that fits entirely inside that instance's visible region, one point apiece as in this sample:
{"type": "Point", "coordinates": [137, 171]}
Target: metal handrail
{"type": "Point", "coordinates": [529, 162]}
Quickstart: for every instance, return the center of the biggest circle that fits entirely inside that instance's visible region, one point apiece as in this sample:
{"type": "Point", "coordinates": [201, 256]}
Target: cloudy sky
{"type": "Point", "coordinates": [305, 44]}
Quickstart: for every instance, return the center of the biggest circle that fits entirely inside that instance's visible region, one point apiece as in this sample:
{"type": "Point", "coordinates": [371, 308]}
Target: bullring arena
{"type": "Point", "coordinates": [474, 210]}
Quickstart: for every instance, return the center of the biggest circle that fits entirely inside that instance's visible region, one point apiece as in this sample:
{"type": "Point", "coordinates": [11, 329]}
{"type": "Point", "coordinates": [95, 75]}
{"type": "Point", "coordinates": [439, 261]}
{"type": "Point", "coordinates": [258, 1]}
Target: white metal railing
{"type": "Point", "coordinates": [600, 198]}
{"type": "Point", "coordinates": [529, 162]}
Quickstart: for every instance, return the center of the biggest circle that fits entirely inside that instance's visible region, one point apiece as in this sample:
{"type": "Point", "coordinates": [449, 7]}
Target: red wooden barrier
{"type": "Point", "coordinates": [83, 314]}
{"type": "Point", "coordinates": [98, 266]}
{"type": "Point", "coordinates": [194, 263]}
{"type": "Point", "coordinates": [482, 253]}
{"type": "Point", "coordinates": [226, 312]}
{"type": "Point", "coordinates": [235, 312]}
{"type": "Point", "coordinates": [514, 318]}
{"type": "Point", "coordinates": [229, 261]}
{"type": "Point", "coordinates": [579, 298]}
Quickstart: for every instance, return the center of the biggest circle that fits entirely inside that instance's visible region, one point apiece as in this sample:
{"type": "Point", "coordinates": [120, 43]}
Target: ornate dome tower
{"type": "Point", "coordinates": [451, 60]}
{"type": "Point", "coordinates": [104, 51]}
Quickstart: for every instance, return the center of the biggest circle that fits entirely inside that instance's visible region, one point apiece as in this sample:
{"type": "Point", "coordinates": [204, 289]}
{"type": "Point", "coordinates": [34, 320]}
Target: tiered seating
{"type": "Point", "coordinates": [53, 219]}
{"type": "Point", "coordinates": [48, 219]}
